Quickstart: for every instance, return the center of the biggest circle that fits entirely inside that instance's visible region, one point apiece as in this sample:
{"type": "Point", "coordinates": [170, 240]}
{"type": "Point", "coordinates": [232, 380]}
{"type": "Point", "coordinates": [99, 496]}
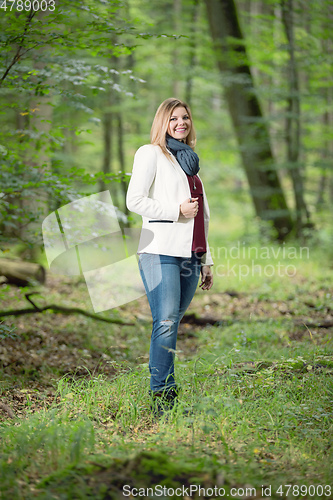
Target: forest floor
{"type": "Point", "coordinates": [255, 367]}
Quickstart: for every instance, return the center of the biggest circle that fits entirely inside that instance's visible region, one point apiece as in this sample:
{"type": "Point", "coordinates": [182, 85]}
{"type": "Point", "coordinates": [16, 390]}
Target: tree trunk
{"type": "Point", "coordinates": [326, 156]}
{"type": "Point", "coordinates": [40, 120]}
{"type": "Point", "coordinates": [326, 179]}
{"type": "Point", "coordinates": [121, 157]}
{"type": "Point", "coordinates": [108, 148]}
{"type": "Point", "coordinates": [247, 118]}
{"type": "Point", "coordinates": [192, 47]}
{"type": "Point", "coordinates": [293, 129]}
{"type": "Point", "coordinates": [107, 143]}
{"type": "Point", "coordinates": [177, 12]}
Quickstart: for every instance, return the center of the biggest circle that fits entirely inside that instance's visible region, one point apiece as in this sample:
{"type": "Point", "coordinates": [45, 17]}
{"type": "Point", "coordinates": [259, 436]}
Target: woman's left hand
{"type": "Point", "coordinates": [206, 278]}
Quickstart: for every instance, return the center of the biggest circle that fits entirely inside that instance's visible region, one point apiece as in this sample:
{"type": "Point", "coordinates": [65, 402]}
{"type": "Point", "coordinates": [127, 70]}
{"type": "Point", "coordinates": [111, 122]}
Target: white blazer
{"type": "Point", "coordinates": [157, 187]}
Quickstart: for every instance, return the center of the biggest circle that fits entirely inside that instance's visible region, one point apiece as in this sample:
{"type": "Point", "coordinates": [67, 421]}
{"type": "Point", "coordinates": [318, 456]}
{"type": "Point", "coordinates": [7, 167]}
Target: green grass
{"type": "Point", "coordinates": [259, 383]}
{"type": "Point", "coordinates": [260, 424]}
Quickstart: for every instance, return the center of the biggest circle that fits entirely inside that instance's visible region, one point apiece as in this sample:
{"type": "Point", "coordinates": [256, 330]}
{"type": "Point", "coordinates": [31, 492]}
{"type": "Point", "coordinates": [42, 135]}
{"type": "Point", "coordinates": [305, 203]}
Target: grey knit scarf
{"type": "Point", "coordinates": [186, 157]}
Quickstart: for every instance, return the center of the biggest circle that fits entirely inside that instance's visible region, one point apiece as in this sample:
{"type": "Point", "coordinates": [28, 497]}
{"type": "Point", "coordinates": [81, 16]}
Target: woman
{"type": "Point", "coordinates": [166, 191]}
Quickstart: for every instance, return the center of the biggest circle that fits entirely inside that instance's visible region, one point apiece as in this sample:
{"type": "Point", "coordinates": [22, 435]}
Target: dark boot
{"type": "Point", "coordinates": [163, 401]}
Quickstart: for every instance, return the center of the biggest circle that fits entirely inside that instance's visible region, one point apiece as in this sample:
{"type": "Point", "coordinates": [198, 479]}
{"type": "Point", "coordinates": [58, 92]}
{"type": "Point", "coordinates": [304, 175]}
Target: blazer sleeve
{"type": "Point", "coordinates": [143, 176]}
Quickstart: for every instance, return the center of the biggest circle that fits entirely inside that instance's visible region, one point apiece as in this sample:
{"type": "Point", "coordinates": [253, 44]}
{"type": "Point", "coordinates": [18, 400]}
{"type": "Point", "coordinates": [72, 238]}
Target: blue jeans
{"type": "Point", "coordinates": [170, 284]}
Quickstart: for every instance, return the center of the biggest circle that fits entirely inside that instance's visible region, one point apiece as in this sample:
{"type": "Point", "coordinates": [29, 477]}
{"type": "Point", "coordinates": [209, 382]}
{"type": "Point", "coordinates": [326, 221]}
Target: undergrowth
{"type": "Point", "coordinates": [259, 392]}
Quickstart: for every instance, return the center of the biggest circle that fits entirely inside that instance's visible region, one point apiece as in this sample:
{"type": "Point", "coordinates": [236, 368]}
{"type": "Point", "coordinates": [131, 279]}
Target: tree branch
{"type": "Point", "coordinates": [59, 309]}
{"type": "Point", "coordinates": [18, 54]}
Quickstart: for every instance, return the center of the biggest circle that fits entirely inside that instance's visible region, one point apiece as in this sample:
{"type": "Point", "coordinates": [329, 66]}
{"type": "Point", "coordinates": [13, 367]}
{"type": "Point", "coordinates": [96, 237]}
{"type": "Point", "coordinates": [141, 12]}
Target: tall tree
{"type": "Point", "coordinates": [247, 117]}
{"type": "Point", "coordinates": [192, 51]}
{"type": "Point", "coordinates": [108, 146]}
{"type": "Point", "coordinates": [177, 16]}
{"type": "Point", "coordinates": [293, 120]}
{"type": "Point", "coordinates": [326, 177]}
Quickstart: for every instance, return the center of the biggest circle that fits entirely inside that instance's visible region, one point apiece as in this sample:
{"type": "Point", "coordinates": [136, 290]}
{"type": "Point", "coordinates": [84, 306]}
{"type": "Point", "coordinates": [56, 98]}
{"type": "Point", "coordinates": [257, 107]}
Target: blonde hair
{"type": "Point", "coordinates": [161, 120]}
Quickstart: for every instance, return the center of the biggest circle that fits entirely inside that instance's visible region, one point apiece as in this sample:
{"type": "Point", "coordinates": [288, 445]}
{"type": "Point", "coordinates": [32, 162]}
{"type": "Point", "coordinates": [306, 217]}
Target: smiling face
{"type": "Point", "coordinates": [179, 123]}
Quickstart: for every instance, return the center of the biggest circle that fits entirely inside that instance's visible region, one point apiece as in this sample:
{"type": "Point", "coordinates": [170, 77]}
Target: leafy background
{"type": "Point", "coordinates": [79, 87]}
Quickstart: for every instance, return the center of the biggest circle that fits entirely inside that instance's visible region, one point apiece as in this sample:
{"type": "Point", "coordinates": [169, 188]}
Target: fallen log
{"type": "Point", "coordinates": [22, 273]}
{"type": "Point", "coordinates": [193, 319]}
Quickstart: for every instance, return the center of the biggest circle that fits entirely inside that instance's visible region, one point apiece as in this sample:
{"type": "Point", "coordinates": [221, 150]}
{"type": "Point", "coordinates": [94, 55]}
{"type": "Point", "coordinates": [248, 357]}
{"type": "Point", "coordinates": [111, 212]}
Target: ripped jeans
{"type": "Point", "coordinates": [170, 284]}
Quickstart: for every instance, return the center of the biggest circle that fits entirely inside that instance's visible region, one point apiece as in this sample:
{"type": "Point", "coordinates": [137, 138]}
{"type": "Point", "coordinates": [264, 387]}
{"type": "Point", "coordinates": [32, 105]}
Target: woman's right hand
{"type": "Point", "coordinates": [189, 208]}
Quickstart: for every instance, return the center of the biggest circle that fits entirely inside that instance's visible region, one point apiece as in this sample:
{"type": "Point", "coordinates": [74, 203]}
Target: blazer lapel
{"type": "Point", "coordinates": [181, 173]}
